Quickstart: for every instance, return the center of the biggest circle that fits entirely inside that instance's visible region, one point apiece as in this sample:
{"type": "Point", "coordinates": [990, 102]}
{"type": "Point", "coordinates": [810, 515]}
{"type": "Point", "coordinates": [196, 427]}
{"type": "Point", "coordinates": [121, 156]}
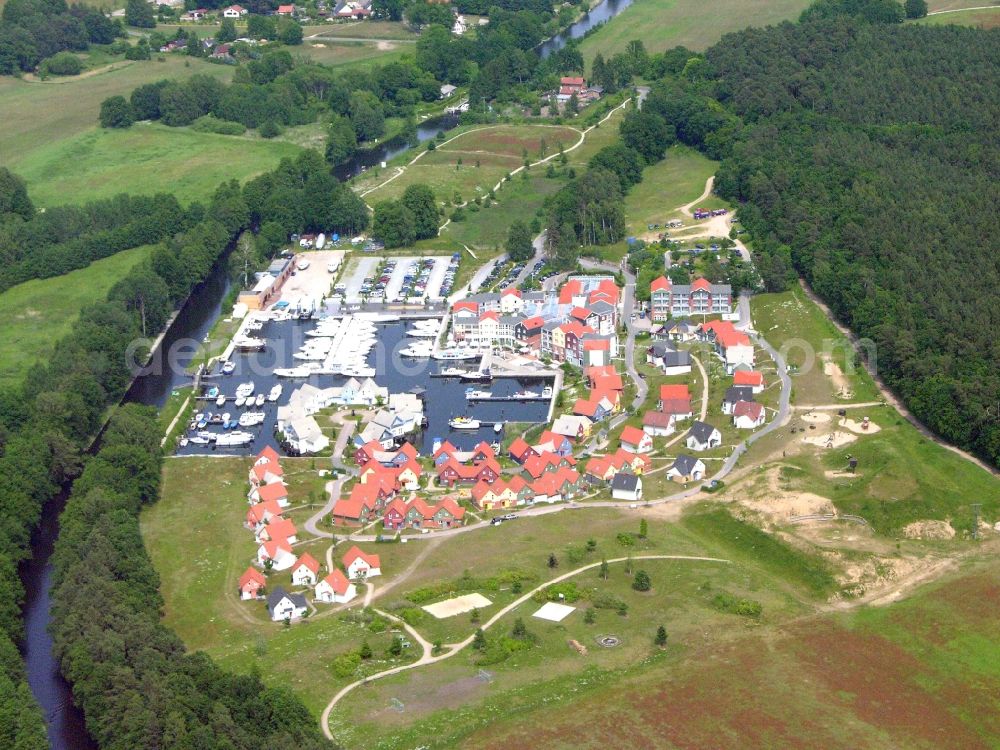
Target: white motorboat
{"type": "Point", "coordinates": [252, 418]}
{"type": "Point", "coordinates": [310, 355]}
{"type": "Point", "coordinates": [416, 350]}
{"type": "Point", "coordinates": [422, 332]}
{"type": "Point", "coordinates": [275, 393]}
{"type": "Point", "coordinates": [249, 343]}
{"type": "Point", "coordinates": [196, 440]}
{"type": "Point", "coordinates": [464, 423]}
{"type": "Point", "coordinates": [244, 389]}
{"type": "Point", "coordinates": [235, 438]}
{"type": "Point", "coordinates": [452, 372]}
{"type": "Point", "coordinates": [221, 400]}
{"type": "Point", "coordinates": [498, 427]}
{"type": "Point", "coordinates": [355, 371]}
{"type": "Point", "coordinates": [260, 399]}
{"type": "Point", "coordinates": [474, 394]}
{"type": "Point", "coordinates": [302, 371]}
{"type": "Point", "coordinates": [455, 354]}
{"type": "Point", "coordinates": [547, 391]}
{"type": "Point", "coordinates": [240, 401]}
{"type": "Point", "coordinates": [228, 368]}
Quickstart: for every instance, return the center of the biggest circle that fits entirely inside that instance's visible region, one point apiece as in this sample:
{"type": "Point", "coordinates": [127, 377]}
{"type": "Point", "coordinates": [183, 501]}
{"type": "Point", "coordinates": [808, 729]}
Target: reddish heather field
{"type": "Point", "coordinates": [920, 674]}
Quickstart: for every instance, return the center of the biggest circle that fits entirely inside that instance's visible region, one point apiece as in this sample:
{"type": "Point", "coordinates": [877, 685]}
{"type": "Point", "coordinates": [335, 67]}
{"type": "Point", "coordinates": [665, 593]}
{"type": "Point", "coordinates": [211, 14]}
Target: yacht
{"type": "Point", "coordinates": [525, 395]}
{"type": "Point", "coordinates": [221, 400]}
{"type": "Point", "coordinates": [275, 393]}
{"type": "Point", "coordinates": [358, 371]}
{"type": "Point", "coordinates": [260, 399]}
{"type": "Point", "coordinates": [244, 389]}
{"type": "Point", "coordinates": [196, 440]}
{"type": "Point", "coordinates": [547, 391]}
{"type": "Point", "coordinates": [453, 372]}
{"type": "Point", "coordinates": [252, 418]}
{"type": "Point", "coordinates": [249, 344]}
{"type": "Point", "coordinates": [235, 438]}
{"type": "Point", "coordinates": [498, 427]}
{"type": "Point", "coordinates": [474, 394]}
{"type": "Point", "coordinates": [240, 401]}
{"type": "Point", "coordinates": [417, 350]}
{"type": "Point", "coordinates": [228, 368]}
{"type": "Point", "coordinates": [464, 423]}
{"type": "Point", "coordinates": [213, 391]}
{"type": "Point", "coordinates": [455, 354]}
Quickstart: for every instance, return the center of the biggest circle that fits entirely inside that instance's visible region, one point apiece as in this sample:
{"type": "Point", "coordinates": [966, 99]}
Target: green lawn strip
{"type": "Point", "coordinates": [797, 328]}
{"type": "Point", "coordinates": [36, 117]}
{"type": "Point", "coordinates": [984, 18]}
{"type": "Point", "coordinates": [363, 30]}
{"type": "Point", "coordinates": [36, 314]}
{"type": "Point", "coordinates": [667, 185]}
{"type": "Point", "coordinates": [747, 542]}
{"type": "Point", "coordinates": [362, 55]}
{"type": "Point", "coordinates": [144, 159]}
{"type": "Point", "coordinates": [663, 24]}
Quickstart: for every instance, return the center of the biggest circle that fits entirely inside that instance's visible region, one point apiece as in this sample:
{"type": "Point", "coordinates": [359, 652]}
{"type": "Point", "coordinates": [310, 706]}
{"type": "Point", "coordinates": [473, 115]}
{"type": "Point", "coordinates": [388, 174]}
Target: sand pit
{"type": "Point", "coordinates": [841, 387]}
{"type": "Point", "coordinates": [457, 606]}
{"type": "Point", "coordinates": [857, 427]}
{"type": "Point", "coordinates": [817, 417]}
{"type": "Point", "coordinates": [929, 530]}
{"type": "Point", "coordinates": [831, 439]}
{"type": "Point", "coordinates": [781, 506]}
{"type": "Point", "coordinates": [554, 612]}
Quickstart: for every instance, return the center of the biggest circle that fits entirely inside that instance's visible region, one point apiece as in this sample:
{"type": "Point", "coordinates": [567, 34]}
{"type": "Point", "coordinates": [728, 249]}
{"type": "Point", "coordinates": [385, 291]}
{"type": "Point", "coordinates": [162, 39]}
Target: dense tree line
{"type": "Point", "coordinates": [129, 673]}
{"type": "Point", "coordinates": [32, 30]}
{"type": "Point", "coordinates": [415, 216]}
{"type": "Point", "coordinates": [869, 164]}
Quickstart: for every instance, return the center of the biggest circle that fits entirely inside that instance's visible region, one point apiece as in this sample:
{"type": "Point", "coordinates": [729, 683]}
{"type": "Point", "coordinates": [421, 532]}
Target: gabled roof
{"type": "Point", "coordinates": [676, 406]}
{"type": "Point", "coordinates": [309, 561]}
{"type": "Point", "coordinates": [268, 454]}
{"type": "Point", "coordinates": [258, 511]}
{"type": "Point", "coordinates": [657, 419]}
{"type": "Point", "coordinates": [279, 593]}
{"type": "Point", "coordinates": [701, 431]}
{"type": "Point", "coordinates": [632, 435]}
{"type": "Point", "coordinates": [272, 547]}
{"type": "Point", "coordinates": [661, 282]}
{"type": "Point", "coordinates": [511, 290]}
{"type": "Point", "coordinates": [625, 481]}
{"type": "Point", "coordinates": [671, 391]}
{"type": "Point", "coordinates": [585, 408]}
{"type": "Point", "coordinates": [684, 464]}
{"type": "Point", "coordinates": [337, 581]}
{"type": "Point", "coordinates": [736, 393]}
{"type": "Point", "coordinates": [355, 552]}
{"type": "Point", "coordinates": [701, 283]}
{"type": "Point", "coordinates": [748, 409]}
{"type": "Point", "coordinates": [535, 321]}
{"type": "Point", "coordinates": [275, 491]}
{"type": "Point", "coordinates": [748, 377]}
{"type": "Point", "coordinates": [252, 575]}
{"type": "Point", "coordinates": [519, 447]}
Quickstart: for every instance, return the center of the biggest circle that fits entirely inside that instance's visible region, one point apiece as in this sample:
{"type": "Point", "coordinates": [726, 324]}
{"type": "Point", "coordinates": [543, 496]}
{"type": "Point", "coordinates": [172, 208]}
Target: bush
{"type": "Point", "coordinates": [346, 665]}
{"type": "Point", "coordinates": [642, 582]}
{"type": "Point", "coordinates": [62, 64]}
{"type": "Point", "coordinates": [116, 112]}
{"type": "Point", "coordinates": [269, 129]}
{"type": "Point", "coordinates": [726, 602]}
{"type": "Point", "coordinates": [568, 589]}
{"type": "Point", "coordinates": [210, 124]}
{"type": "Point", "coordinates": [625, 539]}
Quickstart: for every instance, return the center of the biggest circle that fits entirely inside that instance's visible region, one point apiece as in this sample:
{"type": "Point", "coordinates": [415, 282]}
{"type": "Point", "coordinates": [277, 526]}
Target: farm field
{"type": "Point", "coordinates": [36, 116]}
{"type": "Point", "coordinates": [362, 30]}
{"type": "Point", "coordinates": [39, 312]}
{"type": "Point", "coordinates": [498, 149]}
{"type": "Point", "coordinates": [984, 18]}
{"type": "Point", "coordinates": [916, 674]}
{"type": "Point", "coordinates": [671, 183]}
{"type": "Point", "coordinates": [662, 24]}
{"type": "Point", "coordinates": [146, 158]}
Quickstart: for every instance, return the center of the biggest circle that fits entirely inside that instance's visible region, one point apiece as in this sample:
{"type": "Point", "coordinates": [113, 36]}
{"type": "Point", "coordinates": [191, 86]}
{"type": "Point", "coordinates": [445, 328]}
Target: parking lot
{"type": "Point", "coordinates": [311, 283]}
{"type": "Point", "coordinates": [397, 279]}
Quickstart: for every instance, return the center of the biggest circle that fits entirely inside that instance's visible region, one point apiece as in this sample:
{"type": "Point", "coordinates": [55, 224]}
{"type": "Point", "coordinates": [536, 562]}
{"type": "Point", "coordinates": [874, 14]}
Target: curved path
{"type": "Point", "coordinates": [709, 183]}
{"type": "Point", "coordinates": [454, 648]}
{"type": "Point", "coordinates": [962, 10]}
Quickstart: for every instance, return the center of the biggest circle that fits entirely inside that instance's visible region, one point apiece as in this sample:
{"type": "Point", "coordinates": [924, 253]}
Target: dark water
{"type": "Point", "coordinates": [444, 398]}
{"type": "Point", "coordinates": [603, 12]}
{"type": "Point", "coordinates": [394, 147]}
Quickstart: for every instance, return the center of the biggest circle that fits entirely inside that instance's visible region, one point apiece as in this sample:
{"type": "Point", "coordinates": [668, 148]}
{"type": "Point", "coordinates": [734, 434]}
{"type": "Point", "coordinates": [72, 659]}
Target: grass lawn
{"type": "Point", "coordinates": [363, 30]}
{"type": "Point", "coordinates": [517, 199]}
{"type": "Point", "coordinates": [36, 116]}
{"type": "Point", "coordinates": [822, 360]}
{"type": "Point", "coordinates": [666, 186]}
{"type": "Point", "coordinates": [662, 24]}
{"type": "Point", "coordinates": [357, 54]}
{"type": "Point", "coordinates": [984, 18]}
{"type": "Point", "coordinates": [146, 158]}
{"type": "Point", "coordinates": [39, 312]}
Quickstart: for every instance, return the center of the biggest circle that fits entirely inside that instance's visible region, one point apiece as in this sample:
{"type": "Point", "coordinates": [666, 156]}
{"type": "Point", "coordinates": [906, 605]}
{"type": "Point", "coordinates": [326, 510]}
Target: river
{"type": "Point", "coordinates": [605, 11]}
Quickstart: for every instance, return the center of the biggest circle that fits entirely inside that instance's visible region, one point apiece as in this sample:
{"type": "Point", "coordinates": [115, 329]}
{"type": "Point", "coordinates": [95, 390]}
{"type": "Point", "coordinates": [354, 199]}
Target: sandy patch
{"type": "Point", "coordinates": [841, 387]}
{"type": "Point", "coordinates": [858, 427]}
{"type": "Point", "coordinates": [457, 605]}
{"type": "Point", "coordinates": [841, 474]}
{"type": "Point", "coordinates": [385, 46]}
{"type": "Point", "coordinates": [783, 505]}
{"type": "Point", "coordinates": [831, 440]}
{"type": "Point", "coordinates": [815, 417]}
{"type": "Point", "coordinates": [929, 530]}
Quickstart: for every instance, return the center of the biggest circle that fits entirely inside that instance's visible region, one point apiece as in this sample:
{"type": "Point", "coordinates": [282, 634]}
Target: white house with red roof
{"type": "Point", "coordinates": [360, 564]}
{"type": "Point", "coordinates": [635, 440]}
{"type": "Point", "coordinates": [252, 584]}
{"type": "Point", "coordinates": [748, 415]}
{"type": "Point", "coordinates": [752, 378]}
{"type": "Point", "coordinates": [276, 492]}
{"type": "Point", "coordinates": [305, 571]}
{"type": "Point", "coordinates": [234, 11]}
{"type": "Point", "coordinates": [702, 297]}
{"type": "Point", "coordinates": [335, 588]}
{"type": "Point", "coordinates": [278, 551]}
{"type": "Point", "coordinates": [286, 10]}
{"type": "Point", "coordinates": [277, 528]}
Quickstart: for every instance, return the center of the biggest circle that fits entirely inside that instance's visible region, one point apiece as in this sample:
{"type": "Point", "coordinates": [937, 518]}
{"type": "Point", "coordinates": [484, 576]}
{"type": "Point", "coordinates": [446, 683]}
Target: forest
{"type": "Point", "coordinates": [31, 30]}
{"type": "Point", "coordinates": [46, 427]}
{"type": "Point", "coordinates": [865, 156]}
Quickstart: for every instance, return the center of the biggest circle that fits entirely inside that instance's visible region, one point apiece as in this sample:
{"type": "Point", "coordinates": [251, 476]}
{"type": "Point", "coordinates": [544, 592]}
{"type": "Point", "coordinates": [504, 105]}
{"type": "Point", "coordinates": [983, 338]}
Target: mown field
{"type": "Point", "coordinates": [36, 314]}
{"type": "Point", "coordinates": [146, 158]}
{"type": "Point", "coordinates": [983, 18]}
{"type": "Point", "coordinates": [36, 116]}
{"type": "Point", "coordinates": [662, 24]}
{"type": "Point", "coordinates": [666, 186]}
{"type": "Point", "coordinates": [358, 54]}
